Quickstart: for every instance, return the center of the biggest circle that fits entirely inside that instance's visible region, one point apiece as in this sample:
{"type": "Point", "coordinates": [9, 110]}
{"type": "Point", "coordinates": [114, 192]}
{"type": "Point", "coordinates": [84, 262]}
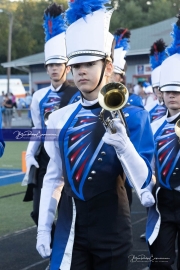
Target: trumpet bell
{"type": "Point", "coordinates": [113, 96]}
{"type": "Point", "coordinates": [177, 128]}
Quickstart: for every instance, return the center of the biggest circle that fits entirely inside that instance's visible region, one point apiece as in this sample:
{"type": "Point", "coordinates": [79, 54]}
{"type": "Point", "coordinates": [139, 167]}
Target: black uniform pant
{"type": "Point", "coordinates": [103, 237]}
{"type": "Point", "coordinates": [43, 160]}
{"type": "Point", "coordinates": [163, 248]}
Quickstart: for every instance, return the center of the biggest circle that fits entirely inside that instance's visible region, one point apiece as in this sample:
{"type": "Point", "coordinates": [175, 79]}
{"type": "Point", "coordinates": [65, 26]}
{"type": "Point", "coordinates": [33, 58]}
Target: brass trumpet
{"type": "Point", "coordinates": [177, 129]}
{"type": "Point", "coordinates": [113, 97]}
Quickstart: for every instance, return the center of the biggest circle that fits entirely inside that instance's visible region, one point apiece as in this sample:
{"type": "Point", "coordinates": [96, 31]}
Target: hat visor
{"type": "Point", "coordinates": [170, 87]}
{"type": "Point", "coordinates": [83, 59]}
{"type": "Point", "coordinates": [118, 70]}
{"type": "Point", "coordinates": [155, 85]}
{"type": "Point", "coordinates": [55, 61]}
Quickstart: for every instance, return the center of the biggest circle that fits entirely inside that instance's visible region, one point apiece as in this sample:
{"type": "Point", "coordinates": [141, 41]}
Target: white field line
{"type": "Point", "coordinates": [138, 221]}
{"type": "Point", "coordinates": [17, 232]}
{"type": "Point", "coordinates": [32, 265]}
{"type": "Point", "coordinates": [9, 175]}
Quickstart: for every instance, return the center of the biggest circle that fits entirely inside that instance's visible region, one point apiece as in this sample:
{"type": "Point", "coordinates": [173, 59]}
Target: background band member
{"type": "Point", "coordinates": [158, 54]}
{"type": "Point", "coordinates": [163, 224]}
{"type": "Point", "coordinates": [122, 39]}
{"type": "Point", "coordinates": [47, 100]}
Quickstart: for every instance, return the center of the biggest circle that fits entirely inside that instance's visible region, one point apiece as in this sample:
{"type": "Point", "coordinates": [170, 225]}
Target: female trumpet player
{"type": "Point", "coordinates": [93, 230]}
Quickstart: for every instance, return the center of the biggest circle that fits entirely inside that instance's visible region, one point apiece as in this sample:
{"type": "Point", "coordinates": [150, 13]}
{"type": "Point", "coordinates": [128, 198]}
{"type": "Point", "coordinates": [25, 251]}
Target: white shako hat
{"type": "Point", "coordinates": [169, 76]}
{"type": "Point", "coordinates": [87, 37]}
{"type": "Point", "coordinates": [121, 37]}
{"type": "Point", "coordinates": [54, 28]}
{"type": "Point", "coordinates": [157, 56]}
{"type": "Point", "coordinates": [155, 77]}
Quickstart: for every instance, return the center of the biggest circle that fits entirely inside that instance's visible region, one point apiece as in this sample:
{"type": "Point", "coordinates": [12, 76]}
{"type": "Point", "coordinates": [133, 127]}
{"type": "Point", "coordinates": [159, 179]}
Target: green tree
{"type": "Point", "coordinates": [128, 15]}
{"type": "Point", "coordinates": [28, 33]}
{"type": "Point", "coordinates": [138, 13]}
{"type": "Point", "coordinates": [161, 10]}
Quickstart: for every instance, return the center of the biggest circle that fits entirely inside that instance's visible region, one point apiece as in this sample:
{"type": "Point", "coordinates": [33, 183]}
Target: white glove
{"type": "Point", "coordinates": [30, 160]}
{"type": "Point", "coordinates": [146, 197]}
{"type": "Point", "coordinates": [119, 139]}
{"type": "Point", "coordinates": [134, 166]}
{"type": "Point", "coordinates": [43, 243]}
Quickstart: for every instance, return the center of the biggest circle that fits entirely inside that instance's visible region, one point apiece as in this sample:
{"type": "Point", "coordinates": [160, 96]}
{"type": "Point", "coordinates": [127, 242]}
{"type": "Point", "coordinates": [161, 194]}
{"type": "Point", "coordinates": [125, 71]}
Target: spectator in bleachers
{"type": "Point", "coordinates": [1, 99]}
{"type": "Point", "coordinates": [24, 103]}
{"type": "Point", "coordinates": [8, 111]}
{"type": "Point", "coordinates": [2, 144]}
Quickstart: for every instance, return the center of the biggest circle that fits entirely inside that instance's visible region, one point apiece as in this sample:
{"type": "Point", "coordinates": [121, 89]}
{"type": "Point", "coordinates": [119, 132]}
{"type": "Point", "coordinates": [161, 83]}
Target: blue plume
{"type": "Point", "coordinates": [122, 42]}
{"type": "Point", "coordinates": [53, 26]}
{"type": "Point", "coordinates": [157, 59]}
{"type": "Point", "coordinates": [157, 53]}
{"type": "Point", "coordinates": [80, 8]}
{"type": "Point", "coordinates": [175, 45]}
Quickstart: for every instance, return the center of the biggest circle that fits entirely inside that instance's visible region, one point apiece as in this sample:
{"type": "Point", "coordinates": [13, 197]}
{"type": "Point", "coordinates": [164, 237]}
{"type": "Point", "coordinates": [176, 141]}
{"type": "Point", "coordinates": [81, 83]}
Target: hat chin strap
{"type": "Point", "coordinates": [101, 77]}
{"type": "Point", "coordinates": [63, 72]}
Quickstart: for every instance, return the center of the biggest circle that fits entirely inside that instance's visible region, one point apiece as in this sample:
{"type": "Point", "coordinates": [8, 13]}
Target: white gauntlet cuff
{"type": "Point", "coordinates": [135, 168]}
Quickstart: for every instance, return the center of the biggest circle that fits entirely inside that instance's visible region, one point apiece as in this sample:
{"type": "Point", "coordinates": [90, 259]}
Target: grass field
{"type": "Point", "coordinates": [12, 155]}
{"type": "Point", "coordinates": [14, 213]}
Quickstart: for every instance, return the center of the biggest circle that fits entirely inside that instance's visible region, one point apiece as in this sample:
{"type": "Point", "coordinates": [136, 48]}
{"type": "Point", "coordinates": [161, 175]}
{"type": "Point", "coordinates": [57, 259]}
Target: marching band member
{"type": "Point", "coordinates": [157, 56]}
{"type": "Point", "coordinates": [163, 224]}
{"type": "Point", "coordinates": [122, 36]}
{"type": "Point", "coordinates": [48, 99]}
{"type": "Point", "coordinates": [93, 229]}
{"type": "Point", "coordinates": [156, 108]}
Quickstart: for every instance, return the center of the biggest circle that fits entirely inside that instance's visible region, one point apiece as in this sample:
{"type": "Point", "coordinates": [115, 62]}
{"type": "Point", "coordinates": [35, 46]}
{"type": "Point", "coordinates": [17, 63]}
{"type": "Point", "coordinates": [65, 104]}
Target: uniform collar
{"type": "Point", "coordinates": [172, 118]}
{"type": "Point", "coordinates": [160, 103]}
{"type": "Point", "coordinates": [57, 89]}
{"type": "Point", "coordinates": [90, 103]}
